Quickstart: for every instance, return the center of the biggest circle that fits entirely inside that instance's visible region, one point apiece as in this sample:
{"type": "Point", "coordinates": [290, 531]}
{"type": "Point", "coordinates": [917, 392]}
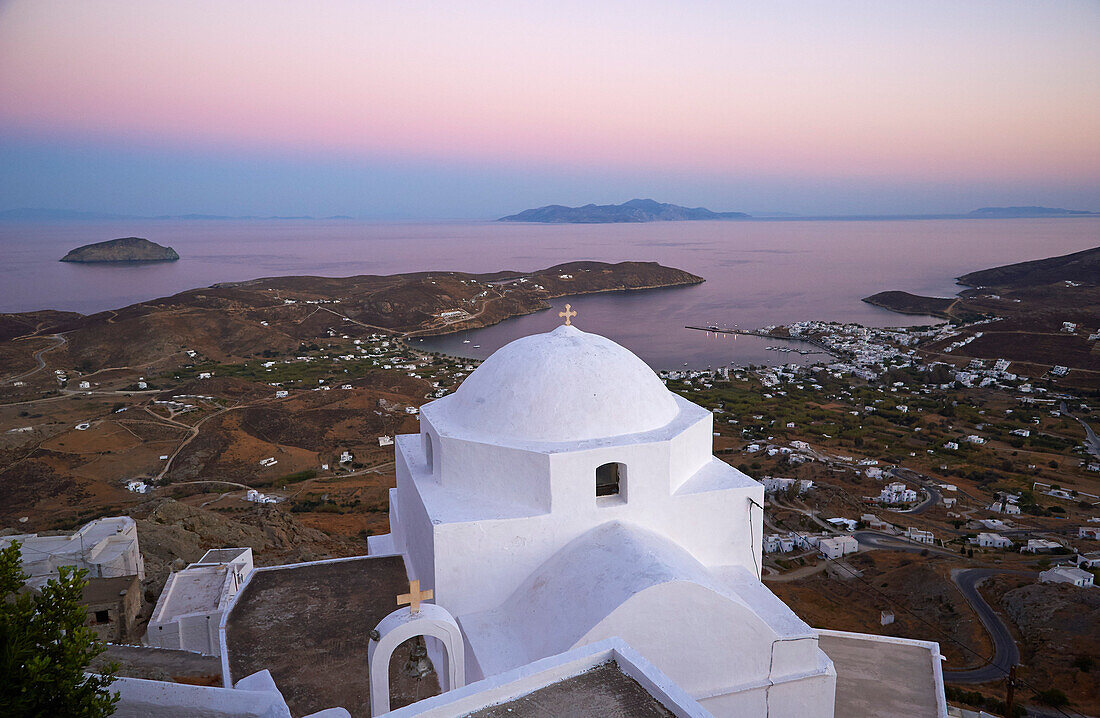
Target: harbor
{"type": "Point", "coordinates": [819, 347]}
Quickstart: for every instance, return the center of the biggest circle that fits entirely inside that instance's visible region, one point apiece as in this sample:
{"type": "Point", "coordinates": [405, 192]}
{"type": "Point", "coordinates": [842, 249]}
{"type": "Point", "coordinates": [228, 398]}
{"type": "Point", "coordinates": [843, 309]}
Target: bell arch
{"type": "Point", "coordinates": [431, 621]}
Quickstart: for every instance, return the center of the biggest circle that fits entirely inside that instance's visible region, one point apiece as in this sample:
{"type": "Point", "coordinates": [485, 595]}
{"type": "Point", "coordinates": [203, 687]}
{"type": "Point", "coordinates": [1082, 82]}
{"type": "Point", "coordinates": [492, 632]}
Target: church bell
{"type": "Point", "coordinates": [418, 665]}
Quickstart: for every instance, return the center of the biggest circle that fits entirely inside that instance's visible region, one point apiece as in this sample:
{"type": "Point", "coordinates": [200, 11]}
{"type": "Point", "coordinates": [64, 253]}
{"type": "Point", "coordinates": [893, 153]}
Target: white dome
{"type": "Point", "coordinates": [566, 385]}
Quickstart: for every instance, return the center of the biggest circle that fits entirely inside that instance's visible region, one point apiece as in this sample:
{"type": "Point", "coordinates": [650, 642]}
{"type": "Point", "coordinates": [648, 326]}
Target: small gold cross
{"type": "Point", "coordinates": [414, 597]}
{"type": "Point", "coordinates": [567, 313]}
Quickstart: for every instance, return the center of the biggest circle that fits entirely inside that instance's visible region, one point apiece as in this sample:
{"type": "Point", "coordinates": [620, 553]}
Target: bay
{"type": "Point", "coordinates": [757, 272]}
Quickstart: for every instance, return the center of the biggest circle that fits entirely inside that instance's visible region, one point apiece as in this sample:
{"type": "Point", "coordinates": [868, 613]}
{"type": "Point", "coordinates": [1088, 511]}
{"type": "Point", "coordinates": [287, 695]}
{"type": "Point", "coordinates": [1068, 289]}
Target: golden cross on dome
{"type": "Point", "coordinates": [414, 597]}
{"type": "Point", "coordinates": [567, 313]}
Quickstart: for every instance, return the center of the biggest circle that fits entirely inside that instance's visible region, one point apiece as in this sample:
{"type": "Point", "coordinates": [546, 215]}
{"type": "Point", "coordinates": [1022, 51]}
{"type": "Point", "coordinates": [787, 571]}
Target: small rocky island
{"type": "Point", "coordinates": [125, 249]}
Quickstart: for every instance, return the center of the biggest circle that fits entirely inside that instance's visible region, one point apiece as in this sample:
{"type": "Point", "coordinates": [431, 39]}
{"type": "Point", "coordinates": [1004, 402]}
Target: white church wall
{"type": "Point", "coordinates": [414, 531]}
{"type": "Point", "coordinates": [714, 524]}
{"type": "Point", "coordinates": [690, 449]}
{"type": "Point", "coordinates": [711, 521]}
{"type": "Point", "coordinates": [574, 487]}
{"type": "Point", "coordinates": [505, 473]}
{"type": "Point", "coordinates": [709, 639]}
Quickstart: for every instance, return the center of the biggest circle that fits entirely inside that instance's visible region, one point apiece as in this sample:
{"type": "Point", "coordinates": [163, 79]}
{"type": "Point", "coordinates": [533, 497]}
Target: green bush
{"type": "Point", "coordinates": [45, 647]}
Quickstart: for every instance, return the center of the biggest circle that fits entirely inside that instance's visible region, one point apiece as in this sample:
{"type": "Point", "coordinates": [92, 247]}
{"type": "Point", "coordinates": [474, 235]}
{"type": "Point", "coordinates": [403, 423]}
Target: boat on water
{"type": "Point", "coordinates": [465, 341]}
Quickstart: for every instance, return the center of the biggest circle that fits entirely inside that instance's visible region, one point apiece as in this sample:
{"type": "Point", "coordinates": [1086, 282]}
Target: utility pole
{"type": "Point", "coordinates": [1010, 692]}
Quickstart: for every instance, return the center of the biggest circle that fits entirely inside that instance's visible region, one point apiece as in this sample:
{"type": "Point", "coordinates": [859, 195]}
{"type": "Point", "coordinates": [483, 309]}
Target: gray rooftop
{"type": "Point", "coordinates": [324, 611]}
{"type": "Point", "coordinates": [879, 679]}
{"type": "Point", "coordinates": [603, 691]}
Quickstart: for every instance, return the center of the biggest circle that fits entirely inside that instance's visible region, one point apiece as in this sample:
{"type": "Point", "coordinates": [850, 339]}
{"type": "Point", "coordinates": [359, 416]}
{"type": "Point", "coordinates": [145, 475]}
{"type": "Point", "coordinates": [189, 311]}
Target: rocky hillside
{"type": "Point", "coordinates": [1077, 267]}
{"type": "Point", "coordinates": [1060, 628]}
{"type": "Point", "coordinates": [231, 321]}
{"type": "Point", "coordinates": [126, 249]}
{"type": "Point", "coordinates": [173, 534]}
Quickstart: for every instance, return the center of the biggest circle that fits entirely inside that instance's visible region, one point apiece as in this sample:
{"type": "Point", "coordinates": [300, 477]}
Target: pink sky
{"type": "Point", "coordinates": [924, 91]}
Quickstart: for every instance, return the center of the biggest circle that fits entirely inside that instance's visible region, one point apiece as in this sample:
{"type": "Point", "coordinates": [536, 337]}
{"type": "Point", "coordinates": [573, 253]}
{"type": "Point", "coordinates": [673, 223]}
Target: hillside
{"type": "Point", "coordinates": [235, 320]}
{"type": "Point", "coordinates": [1030, 308]}
{"type": "Point", "coordinates": [906, 303]}
{"type": "Point", "coordinates": [1077, 267]}
{"type": "Point", "coordinates": [636, 210]}
{"type": "Point", "coordinates": [126, 249]}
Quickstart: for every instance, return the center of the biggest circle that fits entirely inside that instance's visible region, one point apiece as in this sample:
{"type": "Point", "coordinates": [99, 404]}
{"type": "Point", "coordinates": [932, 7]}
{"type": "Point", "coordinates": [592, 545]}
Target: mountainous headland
{"type": "Point", "coordinates": [636, 210]}
{"type": "Point", "coordinates": [1040, 312]}
{"type": "Point", "coordinates": [125, 249]}
{"type": "Point", "coordinates": [214, 358]}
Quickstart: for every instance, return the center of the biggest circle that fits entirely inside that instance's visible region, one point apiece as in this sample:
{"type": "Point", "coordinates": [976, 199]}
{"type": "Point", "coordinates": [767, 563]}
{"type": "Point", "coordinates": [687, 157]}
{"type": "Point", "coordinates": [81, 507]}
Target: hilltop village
{"type": "Point", "coordinates": [900, 470]}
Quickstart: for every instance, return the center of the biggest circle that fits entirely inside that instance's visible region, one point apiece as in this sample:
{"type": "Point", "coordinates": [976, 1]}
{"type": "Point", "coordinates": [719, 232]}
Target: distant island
{"type": "Point", "coordinates": [125, 249]}
{"type": "Point", "coordinates": [39, 214]}
{"type": "Point", "coordinates": [636, 210]}
{"type": "Point", "coordinates": [1008, 212]}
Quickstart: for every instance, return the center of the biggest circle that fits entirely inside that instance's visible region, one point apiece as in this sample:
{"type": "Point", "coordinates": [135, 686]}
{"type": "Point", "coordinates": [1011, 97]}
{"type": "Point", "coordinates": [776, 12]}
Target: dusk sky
{"type": "Point", "coordinates": [472, 110]}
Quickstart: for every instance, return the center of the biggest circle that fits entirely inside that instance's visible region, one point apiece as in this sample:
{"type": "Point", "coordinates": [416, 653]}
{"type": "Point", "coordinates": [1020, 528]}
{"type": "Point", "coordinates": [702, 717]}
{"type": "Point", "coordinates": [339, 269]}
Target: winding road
{"type": "Point", "coordinates": [1092, 441]}
{"type": "Point", "coordinates": [41, 363]}
{"type": "Point", "coordinates": [1005, 652]}
{"type": "Point", "coordinates": [926, 484]}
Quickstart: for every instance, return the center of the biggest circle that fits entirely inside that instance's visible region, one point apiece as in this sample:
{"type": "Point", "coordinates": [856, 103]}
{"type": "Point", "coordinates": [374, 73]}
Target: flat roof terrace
{"type": "Point", "coordinates": [309, 625]}
{"type": "Point", "coordinates": [603, 691]}
{"type": "Point", "coordinates": [882, 677]}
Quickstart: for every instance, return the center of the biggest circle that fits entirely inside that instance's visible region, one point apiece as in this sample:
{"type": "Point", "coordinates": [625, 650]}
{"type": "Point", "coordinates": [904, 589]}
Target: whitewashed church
{"type": "Point", "coordinates": [561, 511]}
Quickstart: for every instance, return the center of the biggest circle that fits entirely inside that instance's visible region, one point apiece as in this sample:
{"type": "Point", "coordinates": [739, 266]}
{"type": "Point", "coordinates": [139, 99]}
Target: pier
{"type": "Point", "coordinates": [759, 333]}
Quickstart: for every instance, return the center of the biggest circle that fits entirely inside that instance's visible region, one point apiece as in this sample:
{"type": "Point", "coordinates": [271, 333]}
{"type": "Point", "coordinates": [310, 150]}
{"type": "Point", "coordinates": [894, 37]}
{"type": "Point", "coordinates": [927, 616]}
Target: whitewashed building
{"type": "Point", "coordinates": [992, 540]}
{"type": "Point", "coordinates": [595, 508]}
{"type": "Point", "coordinates": [189, 611]}
{"type": "Point", "coordinates": [1067, 574]}
{"type": "Point", "coordinates": [833, 548]}
{"type": "Point", "coordinates": [106, 548]}
{"type": "Point", "coordinates": [1040, 546]}
{"type": "Point", "coordinates": [560, 511]}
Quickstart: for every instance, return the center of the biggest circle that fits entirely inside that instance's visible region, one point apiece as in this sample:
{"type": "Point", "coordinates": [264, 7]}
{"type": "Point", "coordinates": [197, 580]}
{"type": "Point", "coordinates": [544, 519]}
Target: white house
{"type": "Point", "coordinates": [1040, 546]}
{"type": "Point", "coordinates": [106, 548]}
{"type": "Point", "coordinates": [896, 493]}
{"type": "Point", "coordinates": [773, 485]}
{"type": "Point", "coordinates": [920, 536]}
{"type": "Point", "coordinates": [189, 611]}
{"type": "Point", "coordinates": [991, 540]}
{"type": "Point", "coordinates": [1067, 574]}
{"type": "Point", "coordinates": [1004, 507]}
{"type": "Point", "coordinates": [1088, 560]}
{"type": "Point", "coordinates": [837, 547]}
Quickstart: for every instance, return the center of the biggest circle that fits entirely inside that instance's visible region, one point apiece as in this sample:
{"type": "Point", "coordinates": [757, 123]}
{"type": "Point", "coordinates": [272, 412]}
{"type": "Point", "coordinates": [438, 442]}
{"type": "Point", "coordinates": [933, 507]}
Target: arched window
{"type": "Point", "coordinates": [429, 457]}
{"type": "Point", "coordinates": [610, 479]}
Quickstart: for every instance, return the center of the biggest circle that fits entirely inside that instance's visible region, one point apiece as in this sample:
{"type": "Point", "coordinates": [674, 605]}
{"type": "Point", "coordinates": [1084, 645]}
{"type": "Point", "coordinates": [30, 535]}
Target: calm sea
{"type": "Point", "coordinates": [757, 272]}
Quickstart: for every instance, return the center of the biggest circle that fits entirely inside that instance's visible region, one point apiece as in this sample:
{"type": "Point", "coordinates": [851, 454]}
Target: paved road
{"type": "Point", "coordinates": [1092, 441]}
{"type": "Point", "coordinates": [41, 363]}
{"type": "Point", "coordinates": [927, 485]}
{"type": "Point", "coordinates": [874, 539]}
{"type": "Point", "coordinates": [1005, 652]}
